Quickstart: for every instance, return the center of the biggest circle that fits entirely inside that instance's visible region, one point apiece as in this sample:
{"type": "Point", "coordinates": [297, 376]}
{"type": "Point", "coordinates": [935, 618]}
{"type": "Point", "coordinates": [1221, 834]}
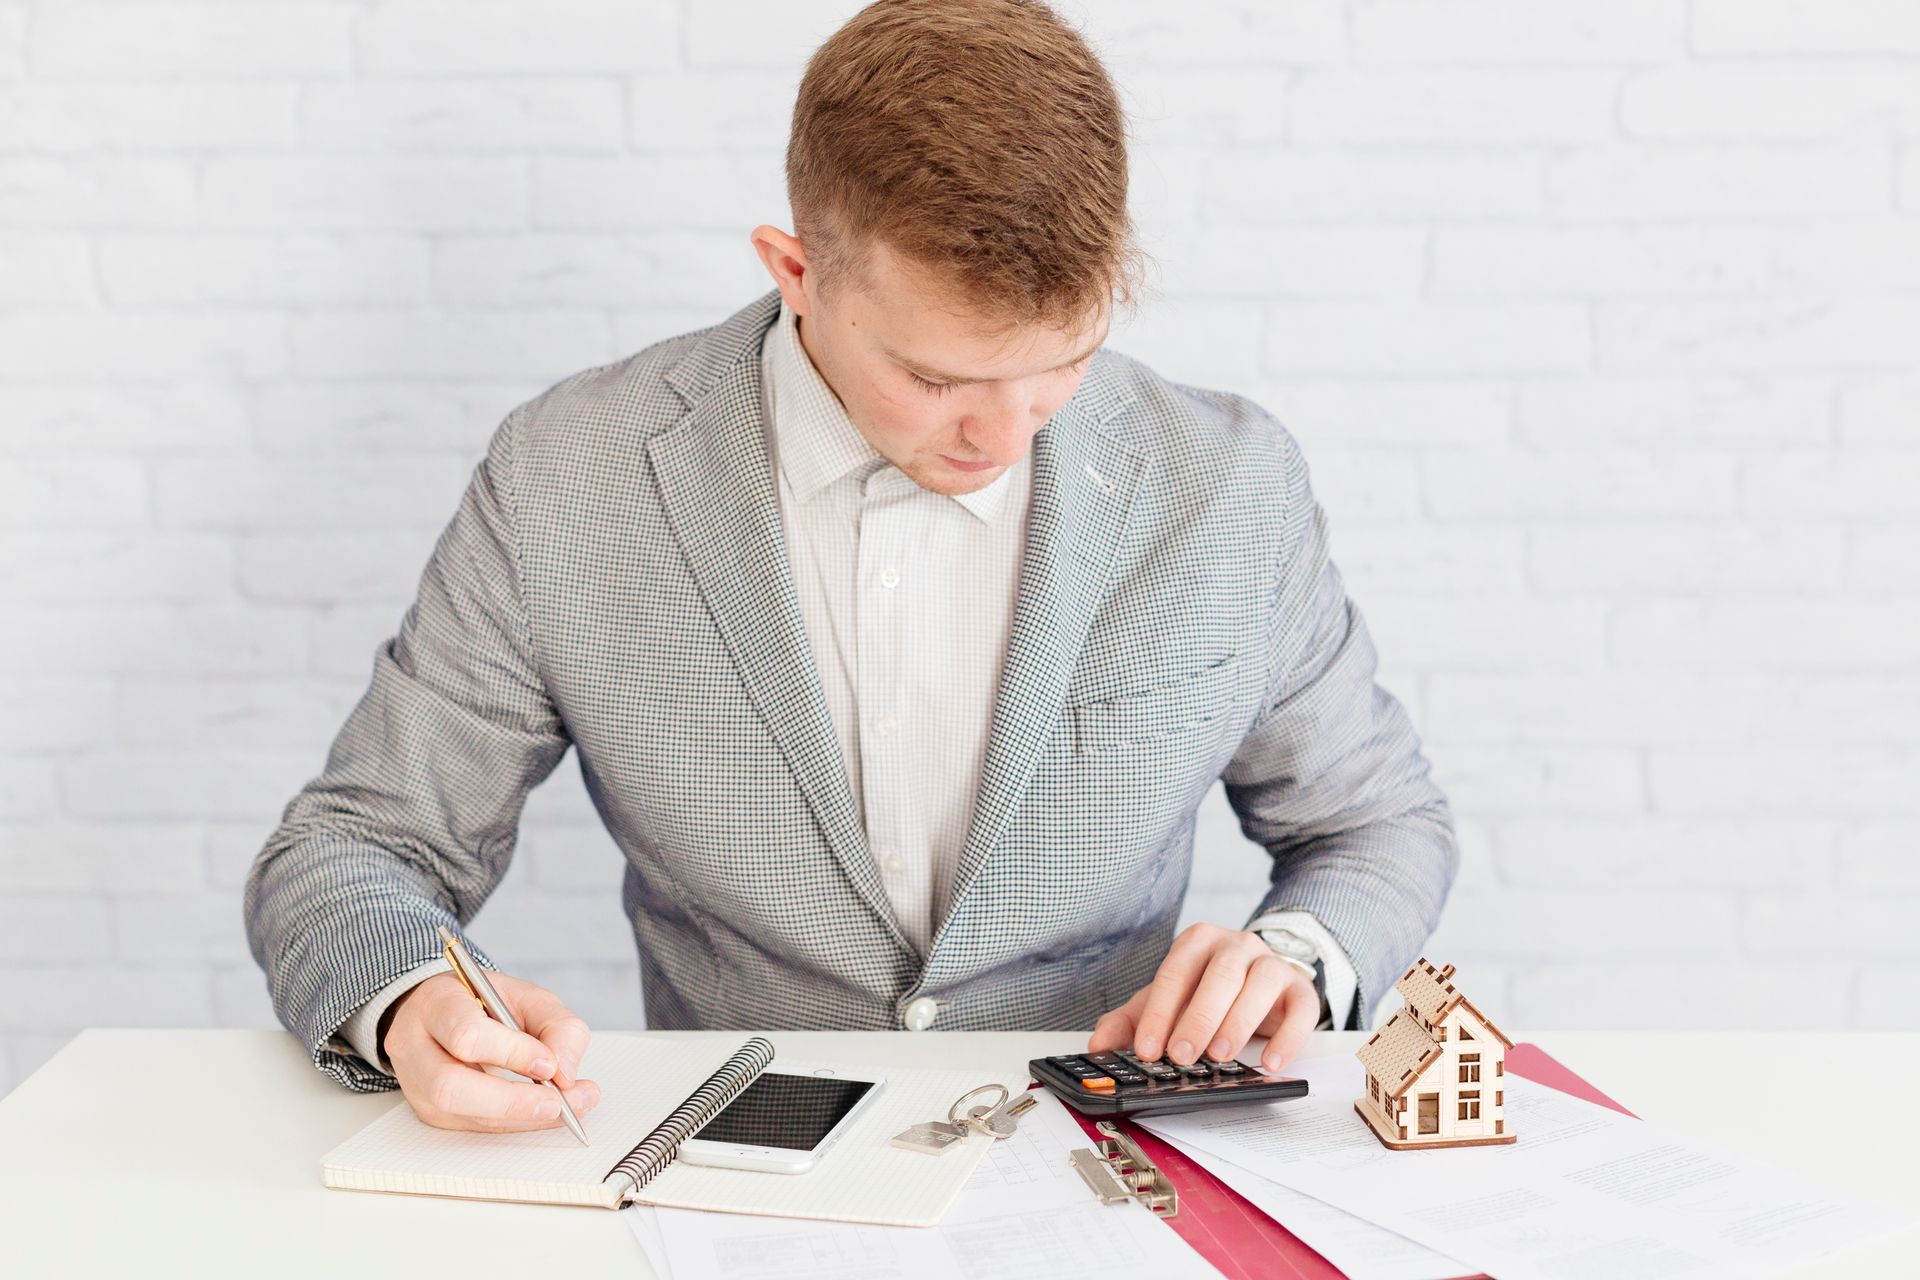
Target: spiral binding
{"type": "Point", "coordinates": [656, 1149]}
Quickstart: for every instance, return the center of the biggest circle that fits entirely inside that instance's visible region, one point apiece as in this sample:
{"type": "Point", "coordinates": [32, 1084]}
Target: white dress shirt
{"type": "Point", "coordinates": [907, 596]}
{"type": "Point", "coordinates": [908, 599]}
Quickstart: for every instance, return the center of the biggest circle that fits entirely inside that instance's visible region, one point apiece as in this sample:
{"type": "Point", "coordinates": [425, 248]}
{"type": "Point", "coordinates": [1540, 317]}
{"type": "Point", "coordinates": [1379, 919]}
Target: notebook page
{"type": "Point", "coordinates": [863, 1178]}
{"type": "Point", "coordinates": [641, 1080]}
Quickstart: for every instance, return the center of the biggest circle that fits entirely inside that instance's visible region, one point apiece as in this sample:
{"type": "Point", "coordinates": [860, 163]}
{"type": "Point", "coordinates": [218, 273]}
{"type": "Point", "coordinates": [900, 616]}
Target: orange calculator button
{"type": "Point", "coordinates": [1099, 1084]}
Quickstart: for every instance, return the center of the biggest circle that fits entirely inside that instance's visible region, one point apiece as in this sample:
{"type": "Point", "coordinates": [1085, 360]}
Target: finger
{"type": "Point", "coordinates": [1300, 1009]}
{"type": "Point", "coordinates": [1213, 995]}
{"type": "Point", "coordinates": [545, 1016]}
{"type": "Point", "coordinates": [1168, 992]}
{"type": "Point", "coordinates": [1265, 982]}
{"type": "Point", "coordinates": [1115, 1028]}
{"type": "Point", "coordinates": [458, 1096]}
{"type": "Point", "coordinates": [468, 1035]}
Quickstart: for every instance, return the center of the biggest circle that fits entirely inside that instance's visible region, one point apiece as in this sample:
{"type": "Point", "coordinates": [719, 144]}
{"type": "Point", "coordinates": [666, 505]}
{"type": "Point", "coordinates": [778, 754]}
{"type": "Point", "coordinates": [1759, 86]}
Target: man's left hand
{"type": "Point", "coordinates": [1217, 989]}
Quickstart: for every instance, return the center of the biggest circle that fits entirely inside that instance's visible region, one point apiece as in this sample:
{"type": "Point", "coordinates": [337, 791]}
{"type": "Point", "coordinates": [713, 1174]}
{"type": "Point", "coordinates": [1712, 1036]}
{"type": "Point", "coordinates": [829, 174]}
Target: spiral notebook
{"type": "Point", "coordinates": [655, 1093]}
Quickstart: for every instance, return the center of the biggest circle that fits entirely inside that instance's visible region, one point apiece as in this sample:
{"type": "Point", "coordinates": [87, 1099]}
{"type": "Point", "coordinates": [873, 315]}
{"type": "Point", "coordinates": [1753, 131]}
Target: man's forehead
{"type": "Point", "coordinates": [933, 367]}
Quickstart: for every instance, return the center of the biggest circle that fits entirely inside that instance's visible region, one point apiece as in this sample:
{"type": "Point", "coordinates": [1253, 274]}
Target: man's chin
{"type": "Point", "coordinates": [951, 481]}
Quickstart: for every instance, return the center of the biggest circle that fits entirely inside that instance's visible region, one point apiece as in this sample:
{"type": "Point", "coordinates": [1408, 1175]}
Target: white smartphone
{"type": "Point", "coordinates": [785, 1120]}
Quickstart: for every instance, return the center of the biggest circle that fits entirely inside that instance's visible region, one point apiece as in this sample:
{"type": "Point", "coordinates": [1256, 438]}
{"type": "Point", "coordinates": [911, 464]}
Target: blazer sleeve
{"type": "Point", "coordinates": [1330, 778]}
{"type": "Point", "coordinates": [414, 819]}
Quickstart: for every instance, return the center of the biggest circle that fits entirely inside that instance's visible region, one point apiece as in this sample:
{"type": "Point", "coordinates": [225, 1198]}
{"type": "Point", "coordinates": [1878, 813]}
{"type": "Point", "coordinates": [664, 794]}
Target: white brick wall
{"type": "Point", "coordinates": [1598, 320]}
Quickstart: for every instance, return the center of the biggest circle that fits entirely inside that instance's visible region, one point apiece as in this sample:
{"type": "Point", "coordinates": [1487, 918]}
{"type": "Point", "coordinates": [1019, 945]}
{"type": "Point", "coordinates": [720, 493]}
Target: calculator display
{"type": "Point", "coordinates": [791, 1112]}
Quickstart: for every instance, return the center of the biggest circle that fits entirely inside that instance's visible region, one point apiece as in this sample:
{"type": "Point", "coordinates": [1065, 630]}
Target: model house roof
{"type": "Point", "coordinates": [1404, 1047]}
{"type": "Point", "coordinates": [1430, 993]}
{"type": "Point", "coordinates": [1398, 1053]}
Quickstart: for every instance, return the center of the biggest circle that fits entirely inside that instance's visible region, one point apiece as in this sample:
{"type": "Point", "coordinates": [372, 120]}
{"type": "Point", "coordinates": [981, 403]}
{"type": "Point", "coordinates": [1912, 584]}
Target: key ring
{"type": "Point", "coordinates": [985, 1088]}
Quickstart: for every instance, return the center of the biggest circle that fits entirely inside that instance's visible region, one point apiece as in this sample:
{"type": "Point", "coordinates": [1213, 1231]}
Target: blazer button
{"type": "Point", "coordinates": [919, 1014]}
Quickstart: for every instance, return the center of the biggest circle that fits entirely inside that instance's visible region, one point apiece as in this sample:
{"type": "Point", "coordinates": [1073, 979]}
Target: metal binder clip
{"type": "Point", "coordinates": [1121, 1171]}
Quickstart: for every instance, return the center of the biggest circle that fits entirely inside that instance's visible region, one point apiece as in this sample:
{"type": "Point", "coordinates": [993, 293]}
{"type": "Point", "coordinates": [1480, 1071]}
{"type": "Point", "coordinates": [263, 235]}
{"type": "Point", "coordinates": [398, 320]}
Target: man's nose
{"type": "Point", "coordinates": [1004, 431]}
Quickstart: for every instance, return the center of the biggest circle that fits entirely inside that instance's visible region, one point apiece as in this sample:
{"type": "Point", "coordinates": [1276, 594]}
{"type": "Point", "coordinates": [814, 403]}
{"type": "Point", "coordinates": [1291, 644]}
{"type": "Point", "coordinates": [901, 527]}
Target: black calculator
{"type": "Point", "coordinates": [1121, 1084]}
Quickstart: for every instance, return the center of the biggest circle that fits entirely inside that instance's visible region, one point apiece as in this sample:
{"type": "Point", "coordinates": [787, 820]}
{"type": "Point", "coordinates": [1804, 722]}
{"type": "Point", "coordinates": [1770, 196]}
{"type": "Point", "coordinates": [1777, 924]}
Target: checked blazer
{"type": "Point", "coordinates": [615, 581]}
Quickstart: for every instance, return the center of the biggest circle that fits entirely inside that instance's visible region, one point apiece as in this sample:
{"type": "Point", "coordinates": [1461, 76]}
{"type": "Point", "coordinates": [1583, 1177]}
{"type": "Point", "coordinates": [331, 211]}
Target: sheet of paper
{"type": "Point", "coordinates": [1585, 1193]}
{"type": "Point", "coordinates": [1023, 1215]}
{"type": "Point", "coordinates": [1361, 1249]}
{"type": "Point", "coordinates": [644, 1219]}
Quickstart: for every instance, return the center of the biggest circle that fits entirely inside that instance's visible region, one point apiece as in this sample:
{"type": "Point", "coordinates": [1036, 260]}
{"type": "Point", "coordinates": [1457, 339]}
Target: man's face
{"type": "Point", "coordinates": [948, 408]}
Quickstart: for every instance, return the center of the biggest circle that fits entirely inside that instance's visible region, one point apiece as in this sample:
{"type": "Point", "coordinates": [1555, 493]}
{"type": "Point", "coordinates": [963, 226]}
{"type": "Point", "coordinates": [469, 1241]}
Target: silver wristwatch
{"type": "Point", "coordinates": [1293, 948]}
{"type": "Point", "coordinates": [1302, 955]}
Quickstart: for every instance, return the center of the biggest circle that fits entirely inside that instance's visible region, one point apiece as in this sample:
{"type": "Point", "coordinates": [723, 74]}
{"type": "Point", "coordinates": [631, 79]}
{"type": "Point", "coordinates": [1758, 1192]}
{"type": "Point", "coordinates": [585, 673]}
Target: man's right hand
{"type": "Point", "coordinates": [439, 1039]}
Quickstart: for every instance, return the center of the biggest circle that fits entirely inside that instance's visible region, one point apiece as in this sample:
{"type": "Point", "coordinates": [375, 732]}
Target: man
{"type": "Point", "coordinates": [900, 628]}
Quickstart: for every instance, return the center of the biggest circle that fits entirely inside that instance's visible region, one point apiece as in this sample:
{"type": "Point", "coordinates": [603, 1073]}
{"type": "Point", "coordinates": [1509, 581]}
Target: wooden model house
{"type": "Point", "coordinates": [1436, 1070]}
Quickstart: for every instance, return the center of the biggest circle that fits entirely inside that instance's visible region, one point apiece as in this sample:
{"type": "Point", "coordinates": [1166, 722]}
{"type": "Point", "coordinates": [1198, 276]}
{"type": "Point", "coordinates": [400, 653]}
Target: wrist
{"type": "Point", "coordinates": [1305, 959]}
{"type": "Point", "coordinates": [387, 1016]}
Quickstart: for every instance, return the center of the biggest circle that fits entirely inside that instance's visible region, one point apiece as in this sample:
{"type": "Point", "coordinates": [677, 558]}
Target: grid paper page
{"type": "Point", "coordinates": [641, 1080]}
{"type": "Point", "coordinates": [863, 1178]}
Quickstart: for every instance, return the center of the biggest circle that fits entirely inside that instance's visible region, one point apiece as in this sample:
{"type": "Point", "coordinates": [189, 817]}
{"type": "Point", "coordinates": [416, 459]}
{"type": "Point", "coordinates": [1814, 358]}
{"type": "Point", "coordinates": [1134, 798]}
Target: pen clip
{"type": "Point", "coordinates": [450, 949]}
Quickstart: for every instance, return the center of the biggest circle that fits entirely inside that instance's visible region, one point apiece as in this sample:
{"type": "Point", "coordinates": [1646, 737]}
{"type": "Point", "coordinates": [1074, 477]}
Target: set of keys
{"type": "Point", "coordinates": [996, 1119]}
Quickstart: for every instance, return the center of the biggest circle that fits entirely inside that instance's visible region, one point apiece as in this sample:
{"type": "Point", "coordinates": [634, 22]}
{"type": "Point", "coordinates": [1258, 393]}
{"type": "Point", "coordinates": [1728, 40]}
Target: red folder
{"type": "Point", "coordinates": [1244, 1243]}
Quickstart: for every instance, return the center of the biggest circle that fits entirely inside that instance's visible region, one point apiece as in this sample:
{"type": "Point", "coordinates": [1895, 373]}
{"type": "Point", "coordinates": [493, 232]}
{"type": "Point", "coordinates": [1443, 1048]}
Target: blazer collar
{"type": "Point", "coordinates": [717, 488]}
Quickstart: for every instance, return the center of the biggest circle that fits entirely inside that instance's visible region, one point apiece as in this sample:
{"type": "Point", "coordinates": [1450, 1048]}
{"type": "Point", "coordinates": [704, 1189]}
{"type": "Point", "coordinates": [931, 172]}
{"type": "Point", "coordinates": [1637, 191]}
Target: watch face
{"type": "Point", "coordinates": [1299, 948]}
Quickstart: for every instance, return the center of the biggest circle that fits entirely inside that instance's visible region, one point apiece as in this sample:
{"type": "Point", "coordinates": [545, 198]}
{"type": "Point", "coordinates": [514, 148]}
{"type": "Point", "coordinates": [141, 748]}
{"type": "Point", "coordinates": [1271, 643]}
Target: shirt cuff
{"type": "Point", "coordinates": [1343, 982]}
{"type": "Point", "coordinates": [360, 1032]}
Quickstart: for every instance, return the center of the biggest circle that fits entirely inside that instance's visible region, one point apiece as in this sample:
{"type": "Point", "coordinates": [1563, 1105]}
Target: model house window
{"type": "Point", "coordinates": [1470, 1104]}
{"type": "Point", "coordinates": [1373, 1088]}
{"type": "Point", "coordinates": [1465, 1034]}
{"type": "Point", "coordinates": [1469, 1068]}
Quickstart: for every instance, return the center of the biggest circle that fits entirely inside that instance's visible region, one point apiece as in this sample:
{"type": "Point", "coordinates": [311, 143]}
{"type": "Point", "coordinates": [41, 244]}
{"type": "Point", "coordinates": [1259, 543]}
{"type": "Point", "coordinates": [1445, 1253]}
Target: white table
{"type": "Point", "coordinates": [198, 1152]}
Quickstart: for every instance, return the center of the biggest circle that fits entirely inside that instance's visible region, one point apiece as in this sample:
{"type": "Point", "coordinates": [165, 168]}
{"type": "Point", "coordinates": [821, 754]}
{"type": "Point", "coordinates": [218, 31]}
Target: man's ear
{"type": "Point", "coordinates": [785, 259]}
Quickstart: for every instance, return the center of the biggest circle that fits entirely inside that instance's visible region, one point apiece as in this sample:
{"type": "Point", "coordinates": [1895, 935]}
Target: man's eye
{"type": "Point", "coordinates": [938, 388]}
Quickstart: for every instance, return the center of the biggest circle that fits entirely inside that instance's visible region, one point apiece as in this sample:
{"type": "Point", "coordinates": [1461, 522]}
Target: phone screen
{"type": "Point", "coordinates": [790, 1112]}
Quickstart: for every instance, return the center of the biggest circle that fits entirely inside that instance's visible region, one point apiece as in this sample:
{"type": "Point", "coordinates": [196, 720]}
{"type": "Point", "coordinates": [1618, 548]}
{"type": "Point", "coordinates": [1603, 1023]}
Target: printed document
{"type": "Point", "coordinates": [1585, 1194]}
{"type": "Point", "coordinates": [1360, 1249]}
{"type": "Point", "coordinates": [1025, 1214]}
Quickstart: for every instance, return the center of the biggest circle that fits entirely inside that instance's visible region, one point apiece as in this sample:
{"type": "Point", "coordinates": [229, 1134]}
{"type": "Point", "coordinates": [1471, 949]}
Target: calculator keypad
{"type": "Point", "coordinates": [1121, 1083]}
{"type": "Point", "coordinates": [1123, 1072]}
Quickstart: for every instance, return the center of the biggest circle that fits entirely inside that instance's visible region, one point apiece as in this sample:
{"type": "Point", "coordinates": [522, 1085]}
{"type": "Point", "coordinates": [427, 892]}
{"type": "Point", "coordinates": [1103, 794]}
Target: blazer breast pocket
{"type": "Point", "coordinates": [1159, 710]}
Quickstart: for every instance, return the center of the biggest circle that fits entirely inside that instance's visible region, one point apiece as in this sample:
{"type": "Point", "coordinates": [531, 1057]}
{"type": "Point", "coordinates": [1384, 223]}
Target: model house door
{"type": "Point", "coordinates": [1429, 1113]}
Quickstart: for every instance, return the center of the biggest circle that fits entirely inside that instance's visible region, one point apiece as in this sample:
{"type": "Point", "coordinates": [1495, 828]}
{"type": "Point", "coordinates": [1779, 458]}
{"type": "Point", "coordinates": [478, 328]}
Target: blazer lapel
{"type": "Point", "coordinates": [1084, 486]}
{"type": "Point", "coordinates": [717, 487]}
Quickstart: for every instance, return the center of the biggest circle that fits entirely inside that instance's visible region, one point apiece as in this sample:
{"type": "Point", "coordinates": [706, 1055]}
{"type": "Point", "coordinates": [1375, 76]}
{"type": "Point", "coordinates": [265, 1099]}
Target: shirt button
{"type": "Point", "coordinates": [919, 1014]}
{"type": "Point", "coordinates": [893, 862]}
{"type": "Point", "coordinates": [889, 579]}
{"type": "Point", "coordinates": [887, 725]}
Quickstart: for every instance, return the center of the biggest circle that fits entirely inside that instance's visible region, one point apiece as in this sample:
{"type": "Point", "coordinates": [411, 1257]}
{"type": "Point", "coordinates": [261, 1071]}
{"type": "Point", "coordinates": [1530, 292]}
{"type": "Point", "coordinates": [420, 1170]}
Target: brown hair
{"type": "Point", "coordinates": [983, 143]}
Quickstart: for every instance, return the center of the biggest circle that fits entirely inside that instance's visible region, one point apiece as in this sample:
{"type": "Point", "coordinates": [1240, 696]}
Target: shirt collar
{"type": "Point", "coordinates": [814, 440]}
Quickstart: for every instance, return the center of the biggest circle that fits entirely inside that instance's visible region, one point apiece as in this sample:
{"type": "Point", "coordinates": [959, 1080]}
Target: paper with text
{"type": "Point", "coordinates": [1585, 1193]}
{"type": "Point", "coordinates": [1362, 1250]}
{"type": "Point", "coordinates": [1024, 1214]}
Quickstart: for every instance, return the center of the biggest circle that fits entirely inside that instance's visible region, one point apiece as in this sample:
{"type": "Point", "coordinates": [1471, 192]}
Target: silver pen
{"type": "Point", "coordinates": [474, 978]}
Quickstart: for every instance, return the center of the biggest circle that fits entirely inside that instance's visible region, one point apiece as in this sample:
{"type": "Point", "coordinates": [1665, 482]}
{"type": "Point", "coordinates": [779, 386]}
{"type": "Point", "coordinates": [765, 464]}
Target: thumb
{"type": "Point", "coordinates": [1115, 1028]}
